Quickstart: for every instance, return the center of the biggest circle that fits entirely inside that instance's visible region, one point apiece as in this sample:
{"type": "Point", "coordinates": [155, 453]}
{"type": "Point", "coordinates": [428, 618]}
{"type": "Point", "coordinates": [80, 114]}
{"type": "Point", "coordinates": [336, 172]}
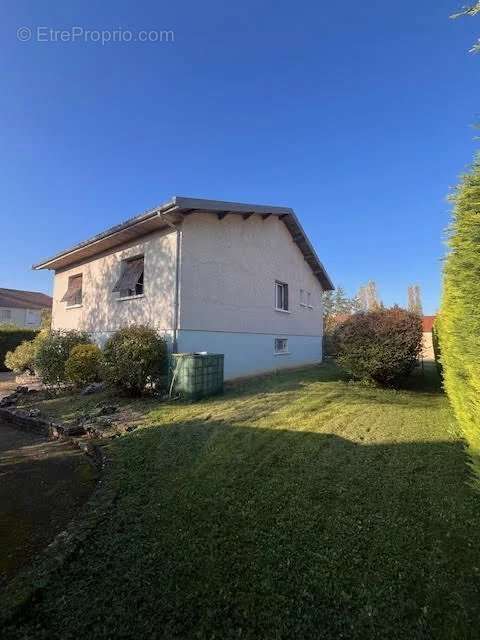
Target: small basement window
{"type": "Point", "coordinates": [74, 294]}
{"type": "Point", "coordinates": [281, 345]}
{"type": "Point", "coordinates": [281, 296]}
{"type": "Point", "coordinates": [130, 283]}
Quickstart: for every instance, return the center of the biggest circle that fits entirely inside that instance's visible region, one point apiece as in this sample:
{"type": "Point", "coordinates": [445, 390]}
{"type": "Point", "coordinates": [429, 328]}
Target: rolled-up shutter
{"type": "Point", "coordinates": [132, 271]}
{"type": "Point", "coordinates": [74, 288]}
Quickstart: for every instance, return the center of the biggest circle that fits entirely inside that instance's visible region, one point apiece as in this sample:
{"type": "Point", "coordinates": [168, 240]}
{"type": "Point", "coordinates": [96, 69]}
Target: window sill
{"type": "Point", "coordinates": [140, 295]}
{"type": "Point", "coordinates": [281, 353]}
{"type": "Point", "coordinates": [74, 306]}
{"type": "Point", "coordinates": [282, 310]}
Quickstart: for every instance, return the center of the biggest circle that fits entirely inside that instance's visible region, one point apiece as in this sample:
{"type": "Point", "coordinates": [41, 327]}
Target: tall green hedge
{"type": "Point", "coordinates": [10, 338]}
{"type": "Point", "coordinates": [459, 322]}
{"type": "Point", "coordinates": [436, 348]}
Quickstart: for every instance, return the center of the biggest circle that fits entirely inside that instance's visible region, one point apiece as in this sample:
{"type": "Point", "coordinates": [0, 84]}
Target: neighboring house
{"type": "Point", "coordinates": [221, 277]}
{"type": "Point", "coordinates": [23, 308]}
{"type": "Point", "coordinates": [427, 344]}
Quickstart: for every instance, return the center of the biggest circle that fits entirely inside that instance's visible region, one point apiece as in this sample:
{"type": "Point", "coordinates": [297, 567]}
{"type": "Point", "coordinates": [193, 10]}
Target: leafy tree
{"type": "Point", "coordinates": [355, 302]}
{"type": "Point", "coordinates": [459, 319]}
{"type": "Point", "coordinates": [415, 300]}
{"type": "Point", "coordinates": [342, 302]}
{"type": "Point", "coordinates": [338, 303]}
{"type": "Point", "coordinates": [328, 303]}
{"type": "Point", "coordinates": [471, 10]}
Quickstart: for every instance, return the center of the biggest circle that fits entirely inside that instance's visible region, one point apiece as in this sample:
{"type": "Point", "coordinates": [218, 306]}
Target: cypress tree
{"type": "Point", "coordinates": [459, 322]}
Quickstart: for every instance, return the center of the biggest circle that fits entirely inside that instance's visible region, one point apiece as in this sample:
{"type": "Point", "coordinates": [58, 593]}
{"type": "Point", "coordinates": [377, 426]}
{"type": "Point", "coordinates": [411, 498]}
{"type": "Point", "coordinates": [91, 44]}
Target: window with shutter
{"type": "Point", "coordinates": [131, 280]}
{"type": "Point", "coordinates": [74, 294]}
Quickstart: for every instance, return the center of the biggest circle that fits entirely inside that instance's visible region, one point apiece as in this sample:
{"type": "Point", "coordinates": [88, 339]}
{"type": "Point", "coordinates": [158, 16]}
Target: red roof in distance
{"type": "Point", "coordinates": [15, 299]}
{"type": "Point", "coordinates": [427, 323]}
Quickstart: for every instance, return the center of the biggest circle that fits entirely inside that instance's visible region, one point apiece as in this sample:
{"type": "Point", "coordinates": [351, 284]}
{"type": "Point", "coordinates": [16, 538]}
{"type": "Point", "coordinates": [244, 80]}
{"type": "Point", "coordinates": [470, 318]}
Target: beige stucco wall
{"type": "Point", "coordinates": [101, 312]}
{"type": "Point", "coordinates": [28, 318]}
{"type": "Point", "coordinates": [427, 346]}
{"type": "Point", "coordinates": [228, 271]}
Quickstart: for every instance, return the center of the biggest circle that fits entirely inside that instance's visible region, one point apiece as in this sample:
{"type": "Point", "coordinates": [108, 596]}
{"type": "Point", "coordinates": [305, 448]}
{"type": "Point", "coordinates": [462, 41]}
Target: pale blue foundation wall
{"type": "Point", "coordinates": [251, 353]}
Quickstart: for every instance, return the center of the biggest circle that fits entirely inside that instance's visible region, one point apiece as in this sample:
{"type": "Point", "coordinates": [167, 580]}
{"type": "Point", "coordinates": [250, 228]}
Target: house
{"type": "Point", "coordinates": [224, 277]}
{"type": "Point", "coordinates": [23, 308]}
{"type": "Point", "coordinates": [427, 341]}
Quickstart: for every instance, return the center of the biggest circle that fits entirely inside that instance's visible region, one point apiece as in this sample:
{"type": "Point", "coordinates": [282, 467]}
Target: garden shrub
{"type": "Point", "coordinates": [133, 357]}
{"type": "Point", "coordinates": [330, 323]}
{"type": "Point", "coordinates": [459, 320]}
{"type": "Point", "coordinates": [84, 364]}
{"type": "Point", "coordinates": [53, 353]}
{"type": "Point", "coordinates": [10, 337]}
{"type": "Point", "coordinates": [381, 346]}
{"type": "Point", "coordinates": [22, 359]}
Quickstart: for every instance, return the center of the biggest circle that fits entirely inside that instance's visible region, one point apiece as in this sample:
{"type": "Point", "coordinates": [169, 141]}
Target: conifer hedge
{"type": "Point", "coordinates": [459, 322]}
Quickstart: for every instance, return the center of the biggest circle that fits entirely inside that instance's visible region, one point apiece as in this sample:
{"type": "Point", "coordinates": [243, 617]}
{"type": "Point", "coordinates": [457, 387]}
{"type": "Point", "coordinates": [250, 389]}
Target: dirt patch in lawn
{"type": "Point", "coordinates": [7, 383]}
{"type": "Point", "coordinates": [42, 485]}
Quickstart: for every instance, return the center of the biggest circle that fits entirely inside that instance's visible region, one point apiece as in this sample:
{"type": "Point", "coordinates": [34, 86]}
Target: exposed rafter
{"type": "Point", "coordinates": [174, 211]}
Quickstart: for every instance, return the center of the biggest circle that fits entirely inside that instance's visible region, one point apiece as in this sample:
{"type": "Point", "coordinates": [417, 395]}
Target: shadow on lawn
{"type": "Point", "coordinates": [223, 531]}
{"type": "Point", "coordinates": [233, 531]}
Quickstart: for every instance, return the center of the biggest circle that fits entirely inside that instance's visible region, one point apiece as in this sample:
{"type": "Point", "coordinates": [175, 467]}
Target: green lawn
{"type": "Point", "coordinates": [295, 506]}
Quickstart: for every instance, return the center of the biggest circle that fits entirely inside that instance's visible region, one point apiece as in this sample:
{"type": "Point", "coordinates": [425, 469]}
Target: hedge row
{"type": "Point", "coordinates": [459, 321]}
{"type": "Point", "coordinates": [10, 338]}
{"type": "Point", "coordinates": [380, 346]}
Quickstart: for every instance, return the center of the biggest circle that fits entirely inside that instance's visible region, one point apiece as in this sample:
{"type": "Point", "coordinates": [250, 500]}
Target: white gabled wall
{"type": "Point", "coordinates": [227, 297]}
{"type": "Point", "coordinates": [228, 272]}
{"type": "Point", "coordinates": [101, 312]}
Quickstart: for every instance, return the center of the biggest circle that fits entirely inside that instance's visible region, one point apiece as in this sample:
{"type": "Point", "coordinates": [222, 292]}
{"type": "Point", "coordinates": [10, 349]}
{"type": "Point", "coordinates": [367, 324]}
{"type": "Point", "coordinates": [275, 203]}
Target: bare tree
{"type": "Point", "coordinates": [368, 298]}
{"type": "Point", "coordinates": [415, 299]}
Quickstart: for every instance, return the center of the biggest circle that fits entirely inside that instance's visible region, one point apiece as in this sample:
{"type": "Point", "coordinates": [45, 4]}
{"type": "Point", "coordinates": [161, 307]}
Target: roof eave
{"type": "Point", "coordinates": [152, 220]}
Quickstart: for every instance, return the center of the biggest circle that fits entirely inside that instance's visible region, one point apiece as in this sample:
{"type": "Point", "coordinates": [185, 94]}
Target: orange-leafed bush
{"type": "Point", "coordinates": [381, 346]}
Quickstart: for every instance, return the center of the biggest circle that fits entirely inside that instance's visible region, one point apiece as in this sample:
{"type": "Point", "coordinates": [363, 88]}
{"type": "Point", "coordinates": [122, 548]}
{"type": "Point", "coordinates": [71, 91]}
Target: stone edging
{"type": "Point", "coordinates": [26, 586]}
{"type": "Point", "coordinates": [36, 424]}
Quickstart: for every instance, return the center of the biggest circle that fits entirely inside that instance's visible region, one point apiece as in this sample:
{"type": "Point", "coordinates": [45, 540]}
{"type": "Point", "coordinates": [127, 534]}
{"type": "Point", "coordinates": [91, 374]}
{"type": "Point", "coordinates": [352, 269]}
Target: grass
{"type": "Point", "coordinates": [298, 505]}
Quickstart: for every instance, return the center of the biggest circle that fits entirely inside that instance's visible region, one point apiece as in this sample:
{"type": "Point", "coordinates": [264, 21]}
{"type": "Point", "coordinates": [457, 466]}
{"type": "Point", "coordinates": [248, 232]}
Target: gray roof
{"type": "Point", "coordinates": [172, 212]}
{"type": "Point", "coordinates": [16, 299]}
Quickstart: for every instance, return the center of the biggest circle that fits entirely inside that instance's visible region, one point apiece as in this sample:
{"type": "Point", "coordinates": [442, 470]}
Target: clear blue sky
{"type": "Point", "coordinates": [359, 119]}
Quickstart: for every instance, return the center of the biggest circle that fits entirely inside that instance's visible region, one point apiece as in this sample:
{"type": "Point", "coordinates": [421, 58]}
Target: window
{"type": "Point", "coordinates": [32, 317]}
{"type": "Point", "coordinates": [281, 345]}
{"type": "Point", "coordinates": [130, 283]}
{"type": "Point", "coordinates": [305, 298]}
{"type": "Point", "coordinates": [5, 315]}
{"type": "Point", "coordinates": [74, 294]}
{"type": "Point", "coordinates": [281, 296]}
